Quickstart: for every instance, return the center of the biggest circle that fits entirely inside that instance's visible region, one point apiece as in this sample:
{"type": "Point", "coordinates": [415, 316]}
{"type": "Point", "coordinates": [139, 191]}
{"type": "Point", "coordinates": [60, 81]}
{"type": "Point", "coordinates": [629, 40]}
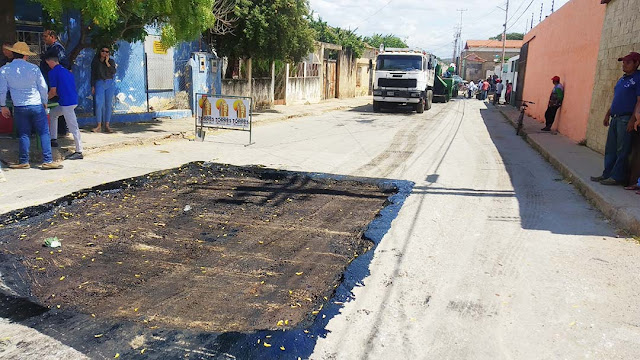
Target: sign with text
{"type": "Point", "coordinates": [224, 112]}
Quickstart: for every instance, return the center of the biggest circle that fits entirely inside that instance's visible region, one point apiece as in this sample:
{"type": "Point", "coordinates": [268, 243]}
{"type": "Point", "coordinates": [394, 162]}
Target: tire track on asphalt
{"type": "Point", "coordinates": [402, 146]}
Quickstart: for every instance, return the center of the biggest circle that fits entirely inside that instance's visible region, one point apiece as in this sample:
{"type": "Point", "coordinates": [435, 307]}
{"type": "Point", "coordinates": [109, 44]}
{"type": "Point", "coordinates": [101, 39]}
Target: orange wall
{"type": "Point", "coordinates": [565, 44]}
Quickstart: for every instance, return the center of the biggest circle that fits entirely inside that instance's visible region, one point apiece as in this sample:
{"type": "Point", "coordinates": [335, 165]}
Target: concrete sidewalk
{"type": "Point", "coordinates": [128, 134]}
{"type": "Point", "coordinates": [577, 164]}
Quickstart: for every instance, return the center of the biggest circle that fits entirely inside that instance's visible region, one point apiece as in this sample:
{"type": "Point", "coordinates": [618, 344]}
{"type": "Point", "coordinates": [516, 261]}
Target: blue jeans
{"type": "Point", "coordinates": [105, 90]}
{"type": "Point", "coordinates": [484, 94]}
{"type": "Point", "coordinates": [617, 150]}
{"type": "Point", "coordinates": [29, 118]}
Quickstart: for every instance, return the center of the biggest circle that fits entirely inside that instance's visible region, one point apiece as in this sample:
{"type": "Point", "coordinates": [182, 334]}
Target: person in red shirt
{"type": "Point", "coordinates": [485, 89]}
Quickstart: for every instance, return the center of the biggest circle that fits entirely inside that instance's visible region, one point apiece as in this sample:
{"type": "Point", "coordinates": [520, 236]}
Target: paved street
{"type": "Point", "coordinates": [493, 255]}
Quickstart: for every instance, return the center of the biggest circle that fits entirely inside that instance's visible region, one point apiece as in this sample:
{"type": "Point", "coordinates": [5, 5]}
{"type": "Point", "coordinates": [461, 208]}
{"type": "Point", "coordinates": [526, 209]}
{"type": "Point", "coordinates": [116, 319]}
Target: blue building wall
{"type": "Point", "coordinates": [131, 93]}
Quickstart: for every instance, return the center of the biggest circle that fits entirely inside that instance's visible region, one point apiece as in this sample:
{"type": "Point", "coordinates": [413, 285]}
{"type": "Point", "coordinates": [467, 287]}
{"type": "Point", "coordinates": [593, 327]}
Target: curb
{"type": "Point", "coordinates": [184, 134]}
{"type": "Point", "coordinates": [615, 214]}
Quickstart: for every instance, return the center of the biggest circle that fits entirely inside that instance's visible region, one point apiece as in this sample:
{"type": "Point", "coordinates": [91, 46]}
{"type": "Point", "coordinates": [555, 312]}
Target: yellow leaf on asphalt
{"type": "Point", "coordinates": [266, 344]}
{"type": "Point", "coordinates": [282, 348]}
{"type": "Point", "coordinates": [142, 351]}
{"type": "Point", "coordinates": [116, 356]}
{"type": "Point", "coordinates": [280, 323]}
{"type": "Point", "coordinates": [62, 278]}
{"type": "Point", "coordinates": [98, 335]}
{"type": "Point", "coordinates": [299, 273]}
{"type": "Point", "coordinates": [137, 275]}
{"type": "Point", "coordinates": [39, 258]}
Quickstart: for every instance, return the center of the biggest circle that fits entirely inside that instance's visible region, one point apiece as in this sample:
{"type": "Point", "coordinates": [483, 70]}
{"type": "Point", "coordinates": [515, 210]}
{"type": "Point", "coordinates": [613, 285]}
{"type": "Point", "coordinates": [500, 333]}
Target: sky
{"type": "Point", "coordinates": [431, 25]}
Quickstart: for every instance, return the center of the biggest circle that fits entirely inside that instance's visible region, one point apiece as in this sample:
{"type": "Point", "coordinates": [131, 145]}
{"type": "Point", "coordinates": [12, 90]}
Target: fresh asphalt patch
{"type": "Point", "coordinates": [206, 260]}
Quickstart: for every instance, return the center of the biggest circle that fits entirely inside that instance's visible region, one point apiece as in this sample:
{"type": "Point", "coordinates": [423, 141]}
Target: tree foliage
{"type": "Point", "coordinates": [510, 36]}
{"type": "Point", "coordinates": [335, 35]}
{"type": "Point", "coordinates": [388, 40]}
{"type": "Point", "coordinates": [268, 30]}
{"type": "Point", "coordinates": [103, 22]}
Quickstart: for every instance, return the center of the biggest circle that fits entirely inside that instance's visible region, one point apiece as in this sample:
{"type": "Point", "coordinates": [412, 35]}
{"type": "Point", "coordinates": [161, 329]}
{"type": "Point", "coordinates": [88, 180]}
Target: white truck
{"type": "Point", "coordinates": [404, 77]}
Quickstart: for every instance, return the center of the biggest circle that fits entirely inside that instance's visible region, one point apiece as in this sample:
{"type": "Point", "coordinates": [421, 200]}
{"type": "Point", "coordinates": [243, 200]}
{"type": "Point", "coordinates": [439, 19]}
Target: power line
{"type": "Point", "coordinates": [525, 10]}
{"type": "Point", "coordinates": [370, 16]}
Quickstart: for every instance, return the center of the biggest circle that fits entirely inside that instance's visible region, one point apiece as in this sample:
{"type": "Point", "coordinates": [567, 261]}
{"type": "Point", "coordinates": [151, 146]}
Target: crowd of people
{"type": "Point", "coordinates": [38, 97]}
{"type": "Point", "coordinates": [482, 88]}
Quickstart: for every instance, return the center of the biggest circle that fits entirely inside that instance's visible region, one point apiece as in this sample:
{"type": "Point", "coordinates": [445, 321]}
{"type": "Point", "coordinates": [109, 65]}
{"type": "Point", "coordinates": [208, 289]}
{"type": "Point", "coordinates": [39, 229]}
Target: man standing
{"type": "Point", "coordinates": [498, 93]}
{"type": "Point", "coordinates": [485, 89]}
{"type": "Point", "coordinates": [622, 117]}
{"type": "Point", "coordinates": [555, 101]}
{"type": "Point", "coordinates": [63, 85]}
{"type": "Point", "coordinates": [53, 49]}
{"type": "Point", "coordinates": [29, 95]}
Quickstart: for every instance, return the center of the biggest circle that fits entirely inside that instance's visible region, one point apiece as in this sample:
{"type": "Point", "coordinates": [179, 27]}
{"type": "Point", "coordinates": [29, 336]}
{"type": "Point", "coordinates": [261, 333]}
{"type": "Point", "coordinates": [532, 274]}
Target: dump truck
{"type": "Point", "coordinates": [404, 77]}
{"type": "Point", "coordinates": [444, 88]}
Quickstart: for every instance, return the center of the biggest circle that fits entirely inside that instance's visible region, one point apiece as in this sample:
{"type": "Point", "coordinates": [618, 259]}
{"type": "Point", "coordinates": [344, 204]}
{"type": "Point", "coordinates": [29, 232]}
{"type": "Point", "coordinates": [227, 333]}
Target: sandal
{"type": "Point", "coordinates": [632, 187]}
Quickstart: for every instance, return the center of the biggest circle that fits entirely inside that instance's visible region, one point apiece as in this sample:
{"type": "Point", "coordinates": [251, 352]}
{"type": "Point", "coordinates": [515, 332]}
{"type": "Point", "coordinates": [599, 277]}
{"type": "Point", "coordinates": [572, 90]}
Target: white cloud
{"type": "Point", "coordinates": [429, 24]}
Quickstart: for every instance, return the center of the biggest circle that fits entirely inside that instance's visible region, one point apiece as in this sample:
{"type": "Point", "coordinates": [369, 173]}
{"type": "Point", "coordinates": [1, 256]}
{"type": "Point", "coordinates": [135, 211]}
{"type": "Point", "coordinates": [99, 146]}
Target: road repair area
{"type": "Point", "coordinates": [204, 247]}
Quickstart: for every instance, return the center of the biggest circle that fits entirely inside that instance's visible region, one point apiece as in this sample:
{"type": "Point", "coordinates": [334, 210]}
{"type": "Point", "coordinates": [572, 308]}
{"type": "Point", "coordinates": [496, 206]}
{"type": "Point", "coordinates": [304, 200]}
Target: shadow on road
{"type": "Point", "coordinates": [543, 199]}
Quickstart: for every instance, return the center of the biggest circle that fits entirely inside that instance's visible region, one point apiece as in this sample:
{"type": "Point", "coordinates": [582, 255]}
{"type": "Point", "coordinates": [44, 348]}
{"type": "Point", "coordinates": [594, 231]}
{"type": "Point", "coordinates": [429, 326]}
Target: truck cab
{"type": "Point", "coordinates": [404, 77]}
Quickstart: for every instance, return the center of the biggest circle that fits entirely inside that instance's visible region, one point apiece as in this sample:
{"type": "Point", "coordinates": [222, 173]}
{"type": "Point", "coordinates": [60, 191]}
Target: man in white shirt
{"type": "Point", "coordinates": [29, 94]}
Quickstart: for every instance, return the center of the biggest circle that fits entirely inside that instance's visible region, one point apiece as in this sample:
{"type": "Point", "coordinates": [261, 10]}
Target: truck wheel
{"type": "Point", "coordinates": [420, 106]}
{"type": "Point", "coordinates": [429, 99]}
{"type": "Point", "coordinates": [376, 106]}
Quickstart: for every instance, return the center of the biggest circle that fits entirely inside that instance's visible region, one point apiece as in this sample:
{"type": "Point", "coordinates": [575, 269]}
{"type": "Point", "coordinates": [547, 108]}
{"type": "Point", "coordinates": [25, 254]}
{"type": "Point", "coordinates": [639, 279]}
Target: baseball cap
{"type": "Point", "coordinates": [633, 56]}
{"type": "Point", "coordinates": [555, 78]}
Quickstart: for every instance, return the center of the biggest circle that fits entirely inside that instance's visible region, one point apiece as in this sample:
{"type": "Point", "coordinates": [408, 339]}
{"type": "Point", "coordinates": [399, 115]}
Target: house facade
{"type": "Point", "coordinates": [480, 57]}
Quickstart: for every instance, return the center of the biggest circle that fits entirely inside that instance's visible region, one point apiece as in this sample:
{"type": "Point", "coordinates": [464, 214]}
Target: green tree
{"type": "Point", "coordinates": [267, 30]}
{"type": "Point", "coordinates": [103, 22]}
{"type": "Point", "coordinates": [335, 35]}
{"type": "Point", "coordinates": [510, 36]}
{"type": "Point", "coordinates": [388, 40]}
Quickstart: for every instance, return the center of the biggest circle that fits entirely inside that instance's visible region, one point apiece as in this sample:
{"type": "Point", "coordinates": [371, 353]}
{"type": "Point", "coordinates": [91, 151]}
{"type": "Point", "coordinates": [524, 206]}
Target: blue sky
{"type": "Point", "coordinates": [430, 24]}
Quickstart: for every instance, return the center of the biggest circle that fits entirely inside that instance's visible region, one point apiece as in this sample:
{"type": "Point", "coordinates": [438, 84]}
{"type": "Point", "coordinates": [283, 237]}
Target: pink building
{"type": "Point", "coordinates": [565, 44]}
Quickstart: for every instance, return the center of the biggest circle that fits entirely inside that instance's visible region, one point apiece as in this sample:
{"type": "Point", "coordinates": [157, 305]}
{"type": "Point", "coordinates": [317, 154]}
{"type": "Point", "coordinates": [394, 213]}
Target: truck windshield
{"type": "Point", "coordinates": [399, 62]}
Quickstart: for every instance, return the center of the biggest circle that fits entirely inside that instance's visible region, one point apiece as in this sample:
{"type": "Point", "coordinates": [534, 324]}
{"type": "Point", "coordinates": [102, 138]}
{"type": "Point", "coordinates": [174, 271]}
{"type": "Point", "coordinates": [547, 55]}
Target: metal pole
{"type": "Point", "coordinates": [504, 39]}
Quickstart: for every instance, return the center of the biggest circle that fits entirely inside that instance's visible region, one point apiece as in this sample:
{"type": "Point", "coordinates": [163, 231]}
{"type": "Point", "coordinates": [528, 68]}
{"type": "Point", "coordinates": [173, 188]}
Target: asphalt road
{"type": "Point", "coordinates": [493, 255]}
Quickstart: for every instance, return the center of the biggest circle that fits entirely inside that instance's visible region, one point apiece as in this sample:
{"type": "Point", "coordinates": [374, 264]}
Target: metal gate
{"type": "Point", "coordinates": [522, 69]}
{"type": "Point", "coordinates": [329, 76]}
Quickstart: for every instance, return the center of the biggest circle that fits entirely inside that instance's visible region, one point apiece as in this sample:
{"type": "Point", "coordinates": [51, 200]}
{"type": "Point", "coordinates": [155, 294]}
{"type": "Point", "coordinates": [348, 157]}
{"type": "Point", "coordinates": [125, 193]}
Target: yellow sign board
{"type": "Point", "coordinates": [158, 48]}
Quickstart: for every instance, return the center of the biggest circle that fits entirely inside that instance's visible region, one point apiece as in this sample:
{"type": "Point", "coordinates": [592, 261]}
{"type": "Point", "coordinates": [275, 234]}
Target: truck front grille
{"type": "Point", "coordinates": [397, 83]}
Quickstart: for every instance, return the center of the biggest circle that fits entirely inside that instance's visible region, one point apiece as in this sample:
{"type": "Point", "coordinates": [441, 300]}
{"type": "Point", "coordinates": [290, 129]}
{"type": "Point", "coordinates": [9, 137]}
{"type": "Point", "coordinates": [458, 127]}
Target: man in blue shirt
{"type": "Point", "coordinates": [621, 118]}
{"type": "Point", "coordinates": [63, 85]}
{"type": "Point", "coordinates": [29, 96]}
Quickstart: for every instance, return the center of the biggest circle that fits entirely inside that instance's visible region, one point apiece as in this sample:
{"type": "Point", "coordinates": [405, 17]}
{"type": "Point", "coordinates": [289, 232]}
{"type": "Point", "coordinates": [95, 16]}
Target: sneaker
{"type": "Point", "coordinates": [50, 166]}
{"type": "Point", "coordinates": [546, 129]}
{"type": "Point", "coordinates": [20, 166]}
{"type": "Point", "coordinates": [54, 143]}
{"type": "Point", "coordinates": [609, 181]}
{"type": "Point", "coordinates": [597, 178]}
{"type": "Point", "coordinates": [74, 156]}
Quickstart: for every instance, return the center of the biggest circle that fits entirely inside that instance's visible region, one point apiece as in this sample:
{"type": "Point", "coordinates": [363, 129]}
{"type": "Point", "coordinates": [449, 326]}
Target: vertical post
{"type": "Point", "coordinates": [249, 76]}
{"type": "Point", "coordinates": [273, 82]}
{"type": "Point", "coordinates": [504, 39]}
{"type": "Point", "coordinates": [146, 79]}
{"type": "Point", "coordinates": [286, 83]}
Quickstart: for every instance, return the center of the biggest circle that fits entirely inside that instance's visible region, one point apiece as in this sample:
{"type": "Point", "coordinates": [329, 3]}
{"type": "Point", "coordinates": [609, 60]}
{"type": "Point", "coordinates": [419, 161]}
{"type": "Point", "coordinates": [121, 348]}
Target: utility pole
{"type": "Point", "coordinates": [531, 22]}
{"type": "Point", "coordinates": [504, 38]}
{"type": "Point", "coordinates": [552, 2]}
{"type": "Point", "coordinates": [458, 49]}
{"type": "Point", "coordinates": [541, 5]}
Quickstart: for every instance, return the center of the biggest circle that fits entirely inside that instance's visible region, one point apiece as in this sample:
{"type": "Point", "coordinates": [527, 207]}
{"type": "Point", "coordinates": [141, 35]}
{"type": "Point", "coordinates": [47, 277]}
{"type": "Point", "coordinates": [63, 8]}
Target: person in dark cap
{"type": "Point", "coordinates": [555, 101]}
{"type": "Point", "coordinates": [622, 117]}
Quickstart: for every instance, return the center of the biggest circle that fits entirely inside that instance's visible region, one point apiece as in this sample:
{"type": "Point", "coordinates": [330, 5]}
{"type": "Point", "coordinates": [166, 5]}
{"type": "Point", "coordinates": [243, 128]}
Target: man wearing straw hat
{"type": "Point", "coordinates": [29, 95]}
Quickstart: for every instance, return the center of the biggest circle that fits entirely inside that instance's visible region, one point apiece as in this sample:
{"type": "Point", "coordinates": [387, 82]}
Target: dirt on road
{"type": "Point", "coordinates": [205, 246]}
